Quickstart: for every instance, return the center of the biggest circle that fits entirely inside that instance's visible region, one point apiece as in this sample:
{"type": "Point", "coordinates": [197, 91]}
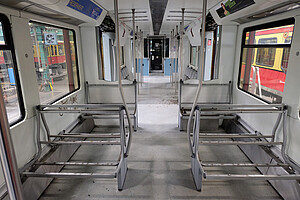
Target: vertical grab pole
{"type": "Point", "coordinates": [8, 157]}
{"type": "Point", "coordinates": [181, 43]}
{"type": "Point", "coordinates": [133, 44]}
{"type": "Point", "coordinates": [200, 74]}
{"type": "Point", "coordinates": [171, 59]}
{"type": "Point", "coordinates": [120, 79]}
{"type": "Point", "coordinates": [177, 43]}
{"type": "Point", "coordinates": [141, 50]}
{"type": "Point", "coordinates": [137, 59]}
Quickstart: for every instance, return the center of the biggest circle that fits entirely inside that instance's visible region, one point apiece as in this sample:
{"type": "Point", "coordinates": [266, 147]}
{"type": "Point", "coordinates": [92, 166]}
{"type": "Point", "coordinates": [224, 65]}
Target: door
{"type": "Point", "coordinates": [156, 55]}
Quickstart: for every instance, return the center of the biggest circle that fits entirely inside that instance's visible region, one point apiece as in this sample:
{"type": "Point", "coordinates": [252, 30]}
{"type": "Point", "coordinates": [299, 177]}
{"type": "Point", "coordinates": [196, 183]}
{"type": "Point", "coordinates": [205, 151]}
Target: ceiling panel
{"type": "Point", "coordinates": [143, 15]}
{"type": "Point", "coordinates": [193, 10]}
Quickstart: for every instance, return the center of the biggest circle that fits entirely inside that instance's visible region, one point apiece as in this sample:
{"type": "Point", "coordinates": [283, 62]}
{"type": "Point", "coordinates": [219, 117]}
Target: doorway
{"type": "Point", "coordinates": [156, 54]}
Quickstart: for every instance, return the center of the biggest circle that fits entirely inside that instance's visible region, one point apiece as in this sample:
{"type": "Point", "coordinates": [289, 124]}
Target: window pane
{"type": "Point", "coordinates": [167, 47]}
{"type": "Point", "coordinates": [265, 56]}
{"type": "Point", "coordinates": [266, 82]}
{"type": "Point", "coordinates": [73, 60]}
{"type": "Point", "coordinates": [2, 42]}
{"type": "Point", "coordinates": [8, 84]}
{"type": "Point", "coordinates": [278, 35]}
{"type": "Point", "coordinates": [55, 61]}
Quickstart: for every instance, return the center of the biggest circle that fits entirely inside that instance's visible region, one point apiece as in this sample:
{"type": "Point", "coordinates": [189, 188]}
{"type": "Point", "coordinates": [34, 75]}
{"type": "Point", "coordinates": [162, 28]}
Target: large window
{"type": "Point", "coordinates": [55, 61]}
{"type": "Point", "coordinates": [264, 59]}
{"type": "Point", "coordinates": [9, 79]}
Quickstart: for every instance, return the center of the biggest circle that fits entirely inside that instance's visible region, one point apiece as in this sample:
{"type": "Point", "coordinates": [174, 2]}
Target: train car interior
{"type": "Point", "coordinates": [149, 99]}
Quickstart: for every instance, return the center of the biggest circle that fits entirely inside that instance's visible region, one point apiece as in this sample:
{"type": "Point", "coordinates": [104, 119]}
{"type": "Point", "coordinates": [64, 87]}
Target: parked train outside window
{"type": "Point", "coordinates": [9, 79]}
{"type": "Point", "coordinates": [55, 61]}
{"type": "Point", "coordinates": [264, 60]}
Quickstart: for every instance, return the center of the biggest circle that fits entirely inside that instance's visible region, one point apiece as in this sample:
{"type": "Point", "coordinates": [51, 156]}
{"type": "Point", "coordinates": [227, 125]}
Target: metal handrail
{"type": "Point", "coordinates": [201, 69]}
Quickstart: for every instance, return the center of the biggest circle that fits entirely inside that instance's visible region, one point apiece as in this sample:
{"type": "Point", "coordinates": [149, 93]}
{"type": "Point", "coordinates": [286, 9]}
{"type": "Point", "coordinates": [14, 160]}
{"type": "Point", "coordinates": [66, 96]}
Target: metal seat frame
{"type": "Point", "coordinates": [185, 107]}
{"type": "Point", "coordinates": [134, 114]}
{"type": "Point", "coordinates": [63, 138]}
{"type": "Point", "coordinates": [222, 110]}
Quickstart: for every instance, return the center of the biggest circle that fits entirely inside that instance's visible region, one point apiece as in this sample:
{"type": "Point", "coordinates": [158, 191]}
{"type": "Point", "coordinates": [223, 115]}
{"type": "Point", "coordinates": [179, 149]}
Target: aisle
{"type": "Point", "coordinates": [159, 161]}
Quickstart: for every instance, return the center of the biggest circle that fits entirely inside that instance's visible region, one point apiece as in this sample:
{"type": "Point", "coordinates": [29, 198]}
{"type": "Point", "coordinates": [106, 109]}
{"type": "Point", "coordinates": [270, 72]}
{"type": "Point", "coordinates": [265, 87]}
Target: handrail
{"type": "Point", "coordinates": [200, 75]}
{"type": "Point", "coordinates": [116, 7]}
{"type": "Point", "coordinates": [8, 157]}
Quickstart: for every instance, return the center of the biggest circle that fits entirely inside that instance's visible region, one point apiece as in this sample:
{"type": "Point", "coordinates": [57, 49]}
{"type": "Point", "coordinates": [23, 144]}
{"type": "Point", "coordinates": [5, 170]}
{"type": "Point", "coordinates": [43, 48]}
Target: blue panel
{"type": "Point", "coordinates": [138, 65]}
{"type": "Point", "coordinates": [11, 76]}
{"type": "Point", "coordinates": [167, 71]}
{"type": "Point", "coordinates": [86, 7]}
{"type": "Point", "coordinates": [146, 67]}
{"type": "Point", "coordinates": [175, 64]}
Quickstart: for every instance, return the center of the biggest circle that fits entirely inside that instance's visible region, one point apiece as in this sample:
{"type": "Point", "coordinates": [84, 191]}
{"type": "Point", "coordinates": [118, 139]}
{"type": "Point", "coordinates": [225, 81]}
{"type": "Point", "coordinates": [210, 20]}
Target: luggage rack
{"type": "Point", "coordinates": [256, 138]}
{"type": "Point", "coordinates": [63, 138]}
{"type": "Point", "coordinates": [111, 86]}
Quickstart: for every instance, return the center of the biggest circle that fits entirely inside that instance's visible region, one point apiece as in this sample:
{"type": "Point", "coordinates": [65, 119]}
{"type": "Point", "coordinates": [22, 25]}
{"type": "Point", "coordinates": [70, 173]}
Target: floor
{"type": "Point", "coordinates": [159, 160]}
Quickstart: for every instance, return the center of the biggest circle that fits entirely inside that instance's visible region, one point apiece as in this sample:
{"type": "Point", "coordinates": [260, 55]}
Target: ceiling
{"type": "Point", "coordinates": [193, 10]}
{"type": "Point", "coordinates": [142, 13]}
{"type": "Point", "coordinates": [157, 17]}
{"type": "Point", "coordinates": [28, 6]}
{"type": "Point", "coordinates": [161, 15]}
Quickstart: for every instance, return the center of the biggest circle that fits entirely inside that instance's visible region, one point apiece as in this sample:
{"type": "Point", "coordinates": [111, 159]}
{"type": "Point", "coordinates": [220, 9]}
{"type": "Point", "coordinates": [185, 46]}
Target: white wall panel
{"type": "Point", "coordinates": [227, 53]}
{"type": "Point", "coordinates": [23, 47]}
{"type": "Point", "coordinates": [89, 53]}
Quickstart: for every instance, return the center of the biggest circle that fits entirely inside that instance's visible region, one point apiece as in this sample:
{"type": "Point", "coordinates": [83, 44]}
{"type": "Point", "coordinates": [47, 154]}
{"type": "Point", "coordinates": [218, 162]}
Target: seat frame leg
{"type": "Point", "coordinates": [122, 174]}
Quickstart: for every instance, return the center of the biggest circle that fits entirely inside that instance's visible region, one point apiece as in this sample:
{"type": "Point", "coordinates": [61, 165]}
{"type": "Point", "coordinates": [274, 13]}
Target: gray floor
{"type": "Point", "coordinates": [159, 161]}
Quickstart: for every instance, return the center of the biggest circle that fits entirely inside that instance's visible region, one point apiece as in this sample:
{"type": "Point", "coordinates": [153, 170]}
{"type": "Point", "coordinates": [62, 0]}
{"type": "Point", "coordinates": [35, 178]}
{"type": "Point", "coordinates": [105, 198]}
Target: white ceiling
{"type": "Point", "coordinates": [127, 6]}
{"type": "Point", "coordinates": [167, 25]}
{"type": "Point", "coordinates": [172, 15]}
{"type": "Point", "coordinates": [170, 22]}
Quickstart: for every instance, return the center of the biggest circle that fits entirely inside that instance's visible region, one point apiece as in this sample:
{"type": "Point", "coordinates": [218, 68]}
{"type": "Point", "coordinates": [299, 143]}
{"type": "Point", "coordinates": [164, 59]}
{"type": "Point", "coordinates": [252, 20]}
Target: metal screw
{"type": "Point", "coordinates": [297, 54]}
{"type": "Point", "coordinates": [26, 55]}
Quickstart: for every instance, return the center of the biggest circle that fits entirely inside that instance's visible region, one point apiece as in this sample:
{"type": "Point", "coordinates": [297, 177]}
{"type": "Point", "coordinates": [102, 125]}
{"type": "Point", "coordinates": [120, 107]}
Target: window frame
{"type": "Point", "coordinates": [9, 45]}
{"type": "Point", "coordinates": [283, 22]}
{"type": "Point", "coordinates": [76, 59]}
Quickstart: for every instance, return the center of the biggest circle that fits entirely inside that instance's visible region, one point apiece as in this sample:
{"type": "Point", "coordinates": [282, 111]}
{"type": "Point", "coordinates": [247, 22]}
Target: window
{"type": "Point", "coordinates": [146, 47]}
{"type": "Point", "coordinates": [264, 59]}
{"type": "Point", "coordinates": [55, 61]}
{"type": "Point", "coordinates": [193, 56]}
{"type": "Point", "coordinates": [266, 56]}
{"type": "Point", "coordinates": [9, 79]}
{"type": "Point", "coordinates": [285, 55]}
{"type": "Point", "coordinates": [167, 47]}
